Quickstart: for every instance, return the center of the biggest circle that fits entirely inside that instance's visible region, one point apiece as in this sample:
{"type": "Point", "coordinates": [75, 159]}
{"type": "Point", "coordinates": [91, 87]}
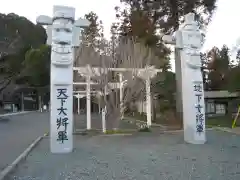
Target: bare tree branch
{"type": "Point", "coordinates": [129, 54]}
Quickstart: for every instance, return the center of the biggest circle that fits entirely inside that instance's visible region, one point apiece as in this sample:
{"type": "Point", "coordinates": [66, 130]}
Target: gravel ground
{"type": "Point", "coordinates": [80, 122]}
{"type": "Point", "coordinates": [142, 156]}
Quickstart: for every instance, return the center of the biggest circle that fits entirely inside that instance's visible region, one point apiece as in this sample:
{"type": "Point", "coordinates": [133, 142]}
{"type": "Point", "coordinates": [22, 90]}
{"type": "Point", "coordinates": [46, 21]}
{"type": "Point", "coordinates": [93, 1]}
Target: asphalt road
{"type": "Point", "coordinates": [17, 133]}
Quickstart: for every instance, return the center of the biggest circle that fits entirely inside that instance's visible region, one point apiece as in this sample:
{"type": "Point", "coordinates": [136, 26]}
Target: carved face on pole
{"type": "Point", "coordinates": [192, 39]}
{"type": "Point", "coordinates": [62, 36]}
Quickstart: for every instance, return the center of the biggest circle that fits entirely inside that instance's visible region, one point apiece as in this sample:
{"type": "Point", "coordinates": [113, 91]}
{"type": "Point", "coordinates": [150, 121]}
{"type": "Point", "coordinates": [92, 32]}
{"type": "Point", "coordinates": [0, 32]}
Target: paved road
{"type": "Point", "coordinates": [18, 133]}
{"type": "Point", "coordinates": [143, 156]}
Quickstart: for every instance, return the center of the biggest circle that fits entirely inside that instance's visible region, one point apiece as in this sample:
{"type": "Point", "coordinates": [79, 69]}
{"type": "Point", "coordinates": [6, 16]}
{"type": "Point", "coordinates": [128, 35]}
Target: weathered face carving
{"type": "Point", "coordinates": [62, 36]}
{"type": "Point", "coordinates": [192, 48]}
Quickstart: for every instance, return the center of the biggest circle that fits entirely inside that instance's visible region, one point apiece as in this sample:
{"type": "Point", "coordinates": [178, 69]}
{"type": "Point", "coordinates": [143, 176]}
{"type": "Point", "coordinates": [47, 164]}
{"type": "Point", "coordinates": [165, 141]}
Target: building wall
{"type": "Point", "coordinates": [221, 106]}
{"type": "Point", "coordinates": [213, 106]}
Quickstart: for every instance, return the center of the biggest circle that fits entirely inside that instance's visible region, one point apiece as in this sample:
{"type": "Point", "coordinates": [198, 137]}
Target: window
{"type": "Point", "coordinates": [220, 109]}
{"type": "Point", "coordinates": [210, 107]}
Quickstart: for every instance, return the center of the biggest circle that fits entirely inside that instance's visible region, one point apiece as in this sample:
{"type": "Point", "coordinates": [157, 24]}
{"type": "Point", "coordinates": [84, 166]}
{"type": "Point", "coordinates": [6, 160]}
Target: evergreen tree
{"type": "Point", "coordinates": [146, 20]}
{"type": "Point", "coordinates": [93, 35]}
{"type": "Point", "coordinates": [234, 75]}
{"type": "Point", "coordinates": [218, 66]}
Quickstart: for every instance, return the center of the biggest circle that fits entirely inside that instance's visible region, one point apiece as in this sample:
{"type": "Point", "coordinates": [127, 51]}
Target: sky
{"type": "Point", "coordinates": [224, 28]}
{"type": "Point", "coordinates": [33, 8]}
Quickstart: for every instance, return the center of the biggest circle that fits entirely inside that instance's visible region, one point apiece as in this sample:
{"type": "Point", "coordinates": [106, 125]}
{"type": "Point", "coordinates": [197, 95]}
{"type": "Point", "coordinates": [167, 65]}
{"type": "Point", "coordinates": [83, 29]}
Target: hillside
{"type": "Point", "coordinates": [17, 32]}
{"type": "Point", "coordinates": [17, 35]}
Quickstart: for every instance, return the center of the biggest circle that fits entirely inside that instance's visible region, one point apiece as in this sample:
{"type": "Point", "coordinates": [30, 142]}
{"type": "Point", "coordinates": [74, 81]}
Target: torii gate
{"type": "Point", "coordinates": [144, 73]}
{"type": "Point", "coordinates": [79, 95]}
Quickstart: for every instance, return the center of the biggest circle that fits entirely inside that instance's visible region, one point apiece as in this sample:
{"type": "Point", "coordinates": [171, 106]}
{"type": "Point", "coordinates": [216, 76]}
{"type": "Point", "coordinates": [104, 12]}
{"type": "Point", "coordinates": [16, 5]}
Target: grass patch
{"type": "Point", "coordinates": [221, 121]}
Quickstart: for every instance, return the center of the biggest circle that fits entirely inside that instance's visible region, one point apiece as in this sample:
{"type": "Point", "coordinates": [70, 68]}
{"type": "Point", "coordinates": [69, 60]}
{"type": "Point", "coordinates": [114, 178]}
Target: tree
{"type": "Point", "coordinates": [36, 67]}
{"type": "Point", "coordinates": [137, 24]}
{"type": "Point", "coordinates": [15, 41]}
{"type": "Point", "coordinates": [35, 72]}
{"type": "Point", "coordinates": [14, 33]}
{"type": "Point", "coordinates": [147, 20]}
{"type": "Point", "coordinates": [94, 32]}
{"type": "Point", "coordinates": [204, 69]}
{"type": "Point", "coordinates": [11, 67]}
{"type": "Point", "coordinates": [130, 54]}
{"type": "Point", "coordinates": [234, 75]}
{"type": "Point", "coordinates": [113, 40]}
{"type": "Point", "coordinates": [218, 66]}
{"type": "Point", "coordinates": [168, 14]}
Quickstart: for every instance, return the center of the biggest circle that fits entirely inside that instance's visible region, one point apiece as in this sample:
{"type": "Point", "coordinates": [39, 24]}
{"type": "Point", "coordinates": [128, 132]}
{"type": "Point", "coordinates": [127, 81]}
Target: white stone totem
{"type": "Point", "coordinates": [188, 42]}
{"type": "Point", "coordinates": [62, 40]}
{"type": "Point", "coordinates": [61, 80]}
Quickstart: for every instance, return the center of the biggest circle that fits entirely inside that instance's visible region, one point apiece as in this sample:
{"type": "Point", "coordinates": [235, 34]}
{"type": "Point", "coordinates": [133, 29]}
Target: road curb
{"type": "Point", "coordinates": [161, 126]}
{"type": "Point", "coordinates": [181, 130]}
{"type": "Point", "coordinates": [107, 135]}
{"type": "Point", "coordinates": [16, 113]}
{"type": "Point", "coordinates": [224, 129]}
{"type": "Point", "coordinates": [22, 156]}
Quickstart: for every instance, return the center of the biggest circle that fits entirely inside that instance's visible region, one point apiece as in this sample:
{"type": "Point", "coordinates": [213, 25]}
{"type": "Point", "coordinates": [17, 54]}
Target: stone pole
{"type": "Point", "coordinates": [88, 99]}
{"type": "Point", "coordinates": [147, 74]}
{"type": "Point", "coordinates": [121, 90]}
{"type": "Point", "coordinates": [79, 96]}
{"type": "Point", "coordinates": [62, 41]}
{"type": "Point", "coordinates": [99, 106]}
{"type": "Point", "coordinates": [78, 103]}
{"type": "Point", "coordinates": [149, 102]}
{"type": "Point", "coordinates": [104, 119]}
{"type": "Point", "coordinates": [188, 41]}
